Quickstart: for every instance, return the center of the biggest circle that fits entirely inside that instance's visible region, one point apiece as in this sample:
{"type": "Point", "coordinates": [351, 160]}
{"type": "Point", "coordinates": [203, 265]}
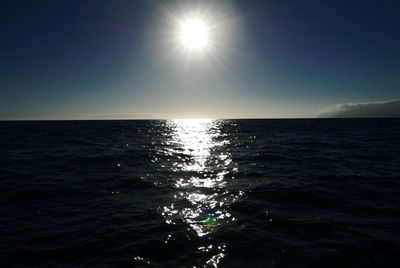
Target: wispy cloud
{"type": "Point", "coordinates": [389, 108]}
{"type": "Point", "coordinates": [126, 116]}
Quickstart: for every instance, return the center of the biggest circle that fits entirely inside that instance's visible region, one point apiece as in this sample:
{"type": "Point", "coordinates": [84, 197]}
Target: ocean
{"type": "Point", "coordinates": [200, 193]}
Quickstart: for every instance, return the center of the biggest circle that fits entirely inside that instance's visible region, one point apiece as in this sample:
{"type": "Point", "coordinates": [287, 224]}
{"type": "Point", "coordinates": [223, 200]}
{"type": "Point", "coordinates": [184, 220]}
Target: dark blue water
{"type": "Point", "coordinates": [225, 193]}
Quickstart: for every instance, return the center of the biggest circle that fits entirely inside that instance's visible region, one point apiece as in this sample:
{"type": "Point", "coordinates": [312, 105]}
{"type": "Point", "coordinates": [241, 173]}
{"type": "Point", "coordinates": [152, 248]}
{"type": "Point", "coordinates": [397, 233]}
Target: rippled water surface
{"type": "Point", "coordinates": [200, 193]}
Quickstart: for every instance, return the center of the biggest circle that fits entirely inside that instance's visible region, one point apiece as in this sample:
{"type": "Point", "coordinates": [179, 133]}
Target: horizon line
{"type": "Point", "coordinates": [171, 119]}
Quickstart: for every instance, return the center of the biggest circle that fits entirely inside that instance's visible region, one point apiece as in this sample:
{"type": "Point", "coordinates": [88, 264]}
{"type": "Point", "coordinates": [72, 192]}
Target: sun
{"type": "Point", "coordinates": [194, 33]}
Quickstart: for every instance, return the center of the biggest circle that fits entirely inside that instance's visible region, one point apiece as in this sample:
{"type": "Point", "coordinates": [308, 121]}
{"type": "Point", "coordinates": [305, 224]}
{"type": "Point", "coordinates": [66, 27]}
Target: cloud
{"type": "Point", "coordinates": [126, 116]}
{"type": "Point", "coordinates": [366, 109]}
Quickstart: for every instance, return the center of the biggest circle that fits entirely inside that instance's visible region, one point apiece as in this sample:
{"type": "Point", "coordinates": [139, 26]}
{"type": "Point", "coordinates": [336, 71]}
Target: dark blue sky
{"type": "Point", "coordinates": [115, 59]}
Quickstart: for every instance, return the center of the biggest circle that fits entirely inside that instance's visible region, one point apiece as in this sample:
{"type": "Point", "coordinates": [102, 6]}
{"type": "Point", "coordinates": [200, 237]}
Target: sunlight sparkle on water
{"type": "Point", "coordinates": [204, 169]}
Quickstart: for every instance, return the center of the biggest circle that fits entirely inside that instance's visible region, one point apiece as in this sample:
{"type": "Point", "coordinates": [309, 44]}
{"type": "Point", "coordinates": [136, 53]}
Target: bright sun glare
{"type": "Point", "coordinates": [194, 33]}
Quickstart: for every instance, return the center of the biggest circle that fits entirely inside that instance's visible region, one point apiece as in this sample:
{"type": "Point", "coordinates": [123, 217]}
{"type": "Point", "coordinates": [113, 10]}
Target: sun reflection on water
{"type": "Point", "coordinates": [204, 170]}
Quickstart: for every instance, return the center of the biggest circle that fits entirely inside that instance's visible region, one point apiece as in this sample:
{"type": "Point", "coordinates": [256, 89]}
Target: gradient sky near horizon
{"type": "Point", "coordinates": [117, 59]}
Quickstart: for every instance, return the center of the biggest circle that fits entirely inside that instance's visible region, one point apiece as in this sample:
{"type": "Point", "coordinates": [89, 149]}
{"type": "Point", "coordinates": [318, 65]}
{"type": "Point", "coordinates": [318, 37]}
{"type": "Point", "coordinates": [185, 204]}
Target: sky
{"type": "Point", "coordinates": [267, 59]}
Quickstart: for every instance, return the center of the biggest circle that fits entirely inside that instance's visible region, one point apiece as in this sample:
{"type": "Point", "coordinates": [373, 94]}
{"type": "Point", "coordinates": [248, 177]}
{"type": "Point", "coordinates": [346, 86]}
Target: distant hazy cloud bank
{"type": "Point", "coordinates": [367, 109]}
{"type": "Point", "coordinates": [125, 116]}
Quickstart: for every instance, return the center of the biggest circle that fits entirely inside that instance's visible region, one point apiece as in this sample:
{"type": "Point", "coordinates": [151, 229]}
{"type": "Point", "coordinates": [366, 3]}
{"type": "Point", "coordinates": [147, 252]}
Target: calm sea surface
{"type": "Point", "coordinates": [214, 193]}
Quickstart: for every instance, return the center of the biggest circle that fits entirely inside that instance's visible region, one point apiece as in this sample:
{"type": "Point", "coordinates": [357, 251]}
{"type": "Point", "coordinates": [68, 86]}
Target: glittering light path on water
{"type": "Point", "coordinates": [206, 169]}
